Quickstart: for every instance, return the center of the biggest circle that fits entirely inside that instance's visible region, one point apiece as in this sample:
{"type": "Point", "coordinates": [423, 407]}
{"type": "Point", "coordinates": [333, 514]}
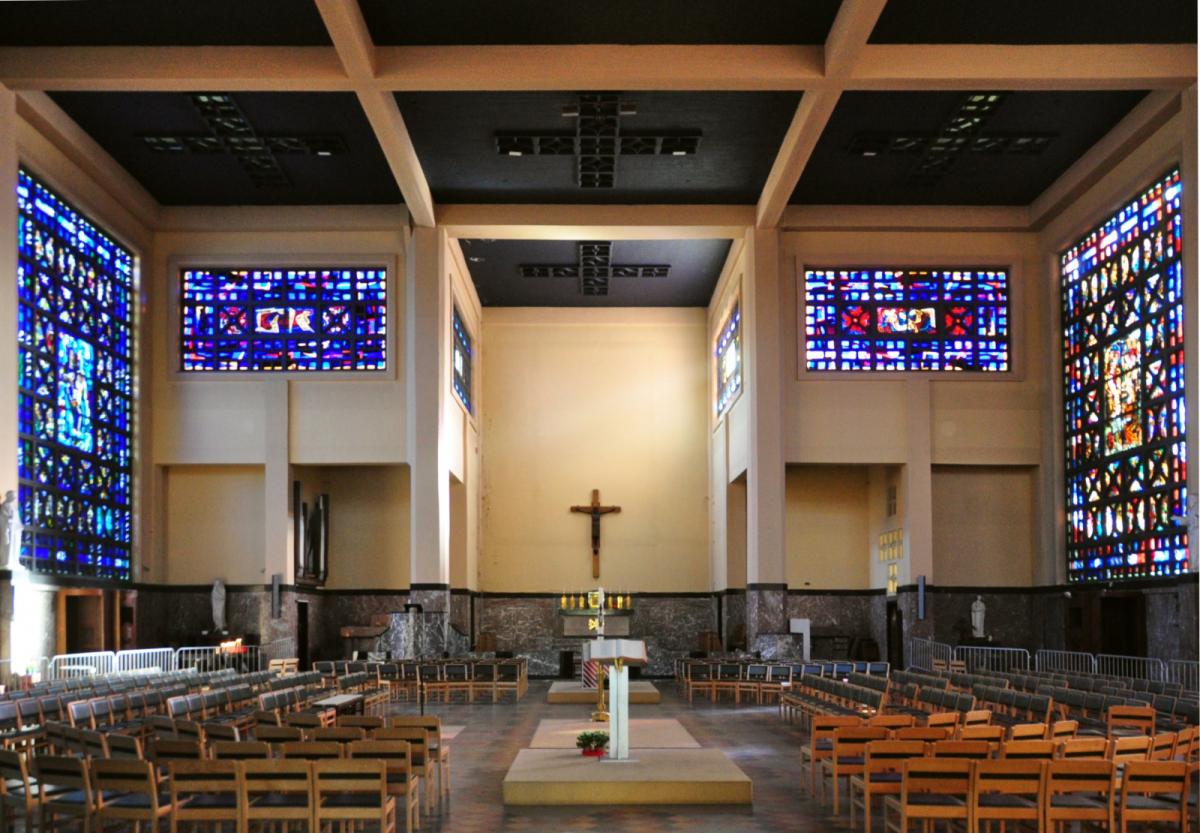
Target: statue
{"type": "Point", "coordinates": [978, 609]}
{"type": "Point", "coordinates": [10, 530]}
{"type": "Point", "coordinates": [218, 605]}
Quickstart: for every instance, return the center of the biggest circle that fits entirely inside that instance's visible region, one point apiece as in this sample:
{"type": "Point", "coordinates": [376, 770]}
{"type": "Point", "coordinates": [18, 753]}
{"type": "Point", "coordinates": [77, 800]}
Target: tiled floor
{"type": "Point", "coordinates": [753, 737]}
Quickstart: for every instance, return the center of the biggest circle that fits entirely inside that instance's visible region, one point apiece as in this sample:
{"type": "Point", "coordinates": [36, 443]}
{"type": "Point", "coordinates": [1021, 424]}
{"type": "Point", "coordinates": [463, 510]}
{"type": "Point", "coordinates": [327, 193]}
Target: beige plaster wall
{"type": "Point", "coordinates": [213, 522]}
{"type": "Point", "coordinates": [984, 525]}
{"type": "Point", "coordinates": [828, 543]}
{"type": "Point", "coordinates": [613, 399]}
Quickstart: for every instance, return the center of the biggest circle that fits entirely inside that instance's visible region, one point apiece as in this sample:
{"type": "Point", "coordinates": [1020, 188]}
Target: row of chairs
{"type": "Point", "coordinates": [812, 696]}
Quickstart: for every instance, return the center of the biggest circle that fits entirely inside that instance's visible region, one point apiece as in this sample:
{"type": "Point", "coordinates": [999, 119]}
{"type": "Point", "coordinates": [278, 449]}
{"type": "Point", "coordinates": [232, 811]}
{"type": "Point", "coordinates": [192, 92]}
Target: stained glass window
{"type": "Point", "coordinates": [905, 320]}
{"type": "Point", "coordinates": [284, 319]}
{"type": "Point", "coordinates": [462, 362]}
{"type": "Point", "coordinates": [75, 389]}
{"type": "Point", "coordinates": [1123, 392]}
{"type": "Point", "coordinates": [729, 359]}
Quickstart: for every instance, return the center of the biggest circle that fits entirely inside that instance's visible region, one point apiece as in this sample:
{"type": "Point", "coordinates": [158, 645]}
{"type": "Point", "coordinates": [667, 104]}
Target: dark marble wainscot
{"type": "Point", "coordinates": [671, 627]}
{"type": "Point", "coordinates": [861, 615]}
{"type": "Point", "coordinates": [733, 619]}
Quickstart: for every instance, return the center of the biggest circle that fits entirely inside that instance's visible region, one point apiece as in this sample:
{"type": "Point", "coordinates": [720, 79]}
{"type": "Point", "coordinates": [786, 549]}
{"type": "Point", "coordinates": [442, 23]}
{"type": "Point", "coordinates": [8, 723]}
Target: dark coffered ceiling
{"type": "Point", "coordinates": [455, 137]}
{"type": "Point", "coordinates": [875, 147]}
{"type": "Point", "coordinates": [501, 279]}
{"type": "Point", "coordinates": [355, 171]}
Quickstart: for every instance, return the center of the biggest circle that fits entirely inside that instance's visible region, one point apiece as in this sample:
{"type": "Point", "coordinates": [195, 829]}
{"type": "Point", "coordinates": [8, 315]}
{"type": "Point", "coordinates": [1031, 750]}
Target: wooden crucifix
{"type": "Point", "coordinates": [595, 510]}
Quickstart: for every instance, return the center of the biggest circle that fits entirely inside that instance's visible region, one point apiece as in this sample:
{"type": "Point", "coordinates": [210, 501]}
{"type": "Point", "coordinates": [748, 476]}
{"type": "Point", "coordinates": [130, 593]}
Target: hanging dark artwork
{"type": "Point", "coordinates": [310, 539]}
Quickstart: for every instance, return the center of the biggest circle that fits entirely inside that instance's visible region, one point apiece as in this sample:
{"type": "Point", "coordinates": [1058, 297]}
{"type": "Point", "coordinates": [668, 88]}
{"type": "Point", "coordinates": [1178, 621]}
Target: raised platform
{"type": "Point", "coordinates": [644, 733]}
{"type": "Point", "coordinates": [572, 691]}
{"type": "Point", "coordinates": [651, 776]}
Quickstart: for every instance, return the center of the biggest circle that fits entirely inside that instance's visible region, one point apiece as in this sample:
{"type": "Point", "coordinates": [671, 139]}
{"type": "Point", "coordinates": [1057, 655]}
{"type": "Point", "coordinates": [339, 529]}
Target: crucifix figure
{"type": "Point", "coordinates": [595, 510]}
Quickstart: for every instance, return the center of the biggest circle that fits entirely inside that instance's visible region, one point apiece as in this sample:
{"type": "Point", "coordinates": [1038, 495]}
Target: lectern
{"type": "Point", "coordinates": [618, 654]}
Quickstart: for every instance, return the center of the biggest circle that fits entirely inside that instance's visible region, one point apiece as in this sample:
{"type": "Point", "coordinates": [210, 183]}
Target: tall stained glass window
{"type": "Point", "coordinates": [283, 319]}
{"type": "Point", "coordinates": [906, 319]}
{"type": "Point", "coordinates": [1123, 392]}
{"type": "Point", "coordinates": [728, 355]}
{"type": "Point", "coordinates": [75, 389]}
{"type": "Point", "coordinates": [463, 357]}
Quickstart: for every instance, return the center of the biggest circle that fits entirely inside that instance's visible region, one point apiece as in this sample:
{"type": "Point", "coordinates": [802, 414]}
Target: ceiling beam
{"type": "Point", "coordinates": [348, 31]}
{"type": "Point", "coordinates": [994, 67]}
{"type": "Point", "coordinates": [905, 218]}
{"type": "Point", "coordinates": [853, 25]}
{"type": "Point", "coordinates": [600, 222]}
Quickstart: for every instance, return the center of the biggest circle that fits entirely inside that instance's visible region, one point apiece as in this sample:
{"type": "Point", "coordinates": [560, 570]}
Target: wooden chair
{"type": "Point", "coordinates": [1162, 746]}
{"type": "Point", "coordinates": [977, 717]}
{"type": "Point", "coordinates": [1008, 790]}
{"type": "Point", "coordinates": [273, 791]}
{"type": "Point", "coordinates": [278, 734]}
{"type": "Point", "coordinates": [1028, 750]}
{"type": "Point", "coordinates": [1061, 730]}
{"type": "Point", "coordinates": [417, 738]}
{"type": "Point", "coordinates": [64, 793]}
{"type": "Point", "coordinates": [240, 750]}
{"type": "Point", "coordinates": [1028, 731]}
{"type": "Point", "coordinates": [1079, 791]}
{"type": "Point", "coordinates": [128, 792]}
{"type": "Point", "coordinates": [931, 790]}
{"type": "Point", "coordinates": [700, 677]}
{"type": "Point", "coordinates": [848, 758]}
{"type": "Point", "coordinates": [1154, 791]}
{"type": "Point", "coordinates": [1130, 720]}
{"type": "Point", "coordinates": [437, 748]}
{"type": "Point", "coordinates": [992, 734]}
{"type": "Point", "coordinates": [922, 733]}
{"type": "Point", "coordinates": [962, 750]}
{"type": "Point", "coordinates": [881, 774]}
{"type": "Point", "coordinates": [204, 792]}
{"type": "Point", "coordinates": [820, 746]}
{"type": "Point", "coordinates": [946, 719]}
{"type": "Point", "coordinates": [354, 791]}
{"type": "Point", "coordinates": [18, 795]}
{"type": "Point", "coordinates": [311, 750]}
{"type": "Point", "coordinates": [1135, 748]}
{"type": "Point", "coordinates": [402, 782]}
{"type": "Point", "coordinates": [1083, 749]}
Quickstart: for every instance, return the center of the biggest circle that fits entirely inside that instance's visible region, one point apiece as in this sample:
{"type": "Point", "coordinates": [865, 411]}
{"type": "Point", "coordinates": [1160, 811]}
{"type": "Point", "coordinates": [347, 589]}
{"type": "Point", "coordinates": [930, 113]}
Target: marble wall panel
{"type": "Point", "coordinates": [733, 619]}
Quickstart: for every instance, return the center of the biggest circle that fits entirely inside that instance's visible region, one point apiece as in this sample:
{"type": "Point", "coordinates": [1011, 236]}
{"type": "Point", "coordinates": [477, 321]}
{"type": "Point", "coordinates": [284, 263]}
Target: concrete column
{"type": "Point", "coordinates": [918, 483]}
{"type": "Point", "coordinates": [8, 315]}
{"type": "Point", "coordinates": [1191, 304]}
{"type": "Point", "coordinates": [277, 523]}
{"type": "Point", "coordinates": [766, 590]}
{"type": "Point", "coordinates": [428, 357]}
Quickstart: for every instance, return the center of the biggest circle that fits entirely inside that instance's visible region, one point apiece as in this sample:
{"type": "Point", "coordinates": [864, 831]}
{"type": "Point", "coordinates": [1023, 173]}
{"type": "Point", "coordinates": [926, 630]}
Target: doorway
{"type": "Point", "coordinates": [82, 622]}
{"type": "Point", "coordinates": [1123, 625]}
{"type": "Point", "coordinates": [895, 635]}
{"type": "Point", "coordinates": [302, 635]}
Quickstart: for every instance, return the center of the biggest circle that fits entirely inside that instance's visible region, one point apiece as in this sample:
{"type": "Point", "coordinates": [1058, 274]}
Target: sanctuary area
{"type": "Point", "coordinates": [650, 414]}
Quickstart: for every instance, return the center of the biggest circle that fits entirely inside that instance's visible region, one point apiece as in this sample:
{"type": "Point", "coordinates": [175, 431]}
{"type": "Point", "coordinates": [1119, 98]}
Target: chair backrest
{"type": "Point", "coordinates": [189, 778]}
{"type": "Point", "coordinates": [995, 734]}
{"type": "Point", "coordinates": [63, 771]}
{"type": "Point", "coordinates": [1083, 749]}
{"type": "Point", "coordinates": [1008, 777]}
{"type": "Point", "coordinates": [968, 750]}
{"type": "Point", "coordinates": [1131, 717]}
{"type": "Point", "coordinates": [943, 776]}
{"type": "Point", "coordinates": [304, 720]}
{"type": "Point", "coordinates": [417, 738]}
{"type": "Point", "coordinates": [220, 731]}
{"type": "Point", "coordinates": [1162, 746]}
{"type": "Point", "coordinates": [360, 721]}
{"type": "Point", "coordinates": [240, 750]}
{"type": "Point", "coordinates": [162, 751]}
{"type": "Point", "coordinates": [338, 734]}
{"type": "Point", "coordinates": [349, 776]}
{"type": "Point", "coordinates": [1081, 776]}
{"type": "Point", "coordinates": [273, 776]}
{"type": "Point", "coordinates": [278, 734]}
{"type": "Point", "coordinates": [890, 755]}
{"type": "Point", "coordinates": [943, 719]}
{"type": "Point", "coordinates": [1027, 731]}
{"type": "Point", "coordinates": [1130, 749]}
{"type": "Point", "coordinates": [13, 769]}
{"type": "Point", "coordinates": [125, 776]}
{"type": "Point", "coordinates": [124, 746]}
{"type": "Point", "coordinates": [823, 728]}
{"type": "Point", "coordinates": [977, 717]}
{"type": "Point", "coordinates": [1149, 778]}
{"type": "Point", "coordinates": [395, 754]}
{"type": "Point", "coordinates": [79, 713]}
{"type": "Point", "coordinates": [1063, 729]}
{"type": "Point", "coordinates": [922, 733]}
{"type": "Point", "coordinates": [95, 744]}
{"type": "Point", "coordinates": [850, 741]}
{"type": "Point", "coordinates": [1028, 750]}
{"type": "Point", "coordinates": [311, 750]}
{"type": "Point", "coordinates": [892, 721]}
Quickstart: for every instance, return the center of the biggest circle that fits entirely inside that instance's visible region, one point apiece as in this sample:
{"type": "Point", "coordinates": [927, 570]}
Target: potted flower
{"type": "Point", "coordinates": [592, 744]}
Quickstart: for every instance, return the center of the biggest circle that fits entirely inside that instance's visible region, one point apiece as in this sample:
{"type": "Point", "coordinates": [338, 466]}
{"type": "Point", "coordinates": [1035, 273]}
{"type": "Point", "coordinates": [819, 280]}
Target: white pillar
{"type": "Point", "coordinates": [8, 291]}
{"type": "Point", "coordinates": [618, 712]}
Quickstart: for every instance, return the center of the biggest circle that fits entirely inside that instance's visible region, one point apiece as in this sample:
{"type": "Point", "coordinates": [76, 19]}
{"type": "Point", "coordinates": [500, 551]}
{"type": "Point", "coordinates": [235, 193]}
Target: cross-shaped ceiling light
{"type": "Point", "coordinates": [230, 132]}
{"type": "Point", "coordinates": [593, 269]}
{"type": "Point", "coordinates": [598, 139]}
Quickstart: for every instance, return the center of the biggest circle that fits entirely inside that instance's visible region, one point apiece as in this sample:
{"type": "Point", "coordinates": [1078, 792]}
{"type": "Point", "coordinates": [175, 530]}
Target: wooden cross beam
{"type": "Point", "coordinates": [594, 268]}
{"type": "Point", "coordinates": [598, 140]}
{"type": "Point", "coordinates": [595, 511]}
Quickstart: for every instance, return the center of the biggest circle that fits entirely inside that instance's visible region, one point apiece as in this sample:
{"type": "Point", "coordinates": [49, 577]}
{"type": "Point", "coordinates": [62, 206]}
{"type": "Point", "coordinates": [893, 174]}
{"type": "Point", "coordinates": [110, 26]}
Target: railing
{"type": "Point", "coordinates": [922, 653]}
{"type": "Point", "coordinates": [1066, 662]}
{"type": "Point", "coordinates": [1186, 672]}
{"type": "Point", "coordinates": [66, 666]}
{"type": "Point", "coordinates": [205, 658]}
{"type": "Point", "coordinates": [282, 648]}
{"type": "Point", "coordinates": [985, 658]}
{"type": "Point", "coordinates": [146, 659]}
{"type": "Point", "coordinates": [1145, 668]}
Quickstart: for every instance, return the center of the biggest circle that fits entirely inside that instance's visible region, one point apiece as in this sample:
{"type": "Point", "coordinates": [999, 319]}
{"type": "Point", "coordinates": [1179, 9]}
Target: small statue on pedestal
{"type": "Point", "coordinates": [978, 611]}
{"type": "Point", "coordinates": [10, 530]}
{"type": "Point", "coordinates": [218, 606]}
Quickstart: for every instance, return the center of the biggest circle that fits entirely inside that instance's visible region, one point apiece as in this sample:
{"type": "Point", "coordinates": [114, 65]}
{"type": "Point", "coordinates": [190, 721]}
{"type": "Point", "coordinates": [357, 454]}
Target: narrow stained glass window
{"type": "Point", "coordinates": [1123, 392]}
{"type": "Point", "coordinates": [283, 319]}
{"type": "Point", "coordinates": [905, 320]}
{"type": "Point", "coordinates": [729, 359]}
{"type": "Point", "coordinates": [462, 363]}
{"type": "Point", "coordinates": [75, 389]}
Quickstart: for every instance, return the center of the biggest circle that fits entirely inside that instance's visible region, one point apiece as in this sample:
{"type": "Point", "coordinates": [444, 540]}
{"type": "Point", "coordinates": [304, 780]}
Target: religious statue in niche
{"type": "Point", "coordinates": [10, 530]}
{"type": "Point", "coordinates": [310, 537]}
{"type": "Point", "coordinates": [218, 606]}
{"type": "Point", "coordinates": [978, 611]}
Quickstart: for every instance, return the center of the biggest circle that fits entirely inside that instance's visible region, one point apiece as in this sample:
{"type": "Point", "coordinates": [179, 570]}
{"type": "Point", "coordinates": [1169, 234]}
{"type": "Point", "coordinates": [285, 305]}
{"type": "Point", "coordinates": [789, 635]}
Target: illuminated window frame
{"type": "Point", "coordinates": [729, 359]}
{"type": "Point", "coordinates": [462, 361]}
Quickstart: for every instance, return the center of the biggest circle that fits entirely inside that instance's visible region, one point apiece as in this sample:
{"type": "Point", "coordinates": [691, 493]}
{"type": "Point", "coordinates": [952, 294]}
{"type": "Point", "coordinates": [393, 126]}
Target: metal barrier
{"type": "Point", "coordinates": [67, 666]}
{"type": "Point", "coordinates": [1065, 662]}
{"type": "Point", "coordinates": [1145, 668]}
{"type": "Point", "coordinates": [282, 648]}
{"type": "Point", "coordinates": [205, 658]}
{"type": "Point", "coordinates": [1186, 672]}
{"type": "Point", "coordinates": [985, 658]}
{"type": "Point", "coordinates": [146, 659]}
{"type": "Point", "coordinates": [922, 653]}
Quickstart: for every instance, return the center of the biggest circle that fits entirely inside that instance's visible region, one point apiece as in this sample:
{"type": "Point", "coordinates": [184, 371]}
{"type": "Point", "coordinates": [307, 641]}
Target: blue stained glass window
{"type": "Point", "coordinates": [728, 355]}
{"type": "Point", "coordinates": [463, 358]}
{"type": "Point", "coordinates": [1123, 395]}
{"type": "Point", "coordinates": [283, 319]}
{"type": "Point", "coordinates": [906, 319]}
{"type": "Point", "coordinates": [75, 389]}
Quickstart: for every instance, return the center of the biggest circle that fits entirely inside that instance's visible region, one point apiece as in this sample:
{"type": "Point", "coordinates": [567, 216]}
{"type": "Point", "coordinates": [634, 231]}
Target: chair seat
{"type": "Point", "coordinates": [71, 797]}
{"type": "Point", "coordinates": [934, 800]}
{"type": "Point", "coordinates": [1145, 802]}
{"type": "Point", "coordinates": [136, 800]}
{"type": "Point", "coordinates": [887, 778]}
